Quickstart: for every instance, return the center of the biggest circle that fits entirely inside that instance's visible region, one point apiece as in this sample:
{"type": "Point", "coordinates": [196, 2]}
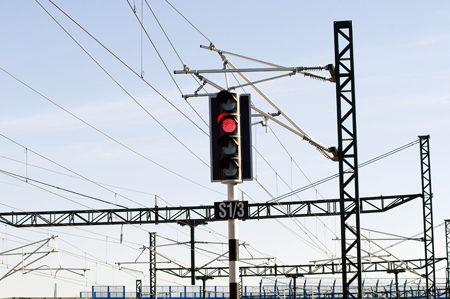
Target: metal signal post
{"type": "Point", "coordinates": [233, 246]}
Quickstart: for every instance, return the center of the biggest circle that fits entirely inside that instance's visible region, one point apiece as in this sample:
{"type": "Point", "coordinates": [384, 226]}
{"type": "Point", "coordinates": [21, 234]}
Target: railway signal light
{"type": "Point", "coordinates": [230, 137]}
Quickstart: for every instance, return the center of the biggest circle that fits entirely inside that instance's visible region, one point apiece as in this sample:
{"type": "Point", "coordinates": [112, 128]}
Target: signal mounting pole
{"type": "Point", "coordinates": [233, 245]}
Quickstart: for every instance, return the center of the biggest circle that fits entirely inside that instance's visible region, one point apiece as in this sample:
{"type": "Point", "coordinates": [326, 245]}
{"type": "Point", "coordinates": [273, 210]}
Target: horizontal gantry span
{"type": "Point", "coordinates": [310, 269]}
{"type": "Point", "coordinates": [195, 214]}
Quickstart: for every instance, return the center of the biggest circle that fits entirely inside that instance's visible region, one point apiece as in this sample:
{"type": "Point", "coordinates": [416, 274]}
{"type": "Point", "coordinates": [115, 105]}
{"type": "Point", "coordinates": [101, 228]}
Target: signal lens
{"type": "Point", "coordinates": [231, 148]}
{"type": "Point", "coordinates": [231, 170]}
{"type": "Point", "coordinates": [221, 116]}
{"type": "Point", "coordinates": [229, 125]}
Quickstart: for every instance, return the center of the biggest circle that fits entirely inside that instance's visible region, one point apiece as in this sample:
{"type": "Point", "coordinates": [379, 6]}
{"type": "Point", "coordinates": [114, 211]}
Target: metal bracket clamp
{"type": "Point", "coordinates": [200, 87]}
{"type": "Point", "coordinates": [211, 46]}
{"type": "Point", "coordinates": [225, 63]}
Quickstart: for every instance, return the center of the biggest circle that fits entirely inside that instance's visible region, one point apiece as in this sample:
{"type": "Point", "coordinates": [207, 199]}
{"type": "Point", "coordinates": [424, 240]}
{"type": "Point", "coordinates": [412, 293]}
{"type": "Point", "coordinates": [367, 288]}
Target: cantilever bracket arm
{"type": "Point", "coordinates": [296, 69]}
{"type": "Point", "coordinates": [328, 152]}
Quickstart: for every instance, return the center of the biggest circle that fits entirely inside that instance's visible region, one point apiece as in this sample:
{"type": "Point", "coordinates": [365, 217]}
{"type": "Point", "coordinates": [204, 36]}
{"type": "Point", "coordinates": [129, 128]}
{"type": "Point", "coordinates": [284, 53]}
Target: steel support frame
{"type": "Point", "coordinates": [192, 227]}
{"type": "Point", "coordinates": [197, 214]}
{"type": "Point", "coordinates": [447, 243]}
{"type": "Point", "coordinates": [347, 152]}
{"type": "Point", "coordinates": [192, 223]}
{"type": "Point", "coordinates": [138, 289]}
{"type": "Point", "coordinates": [152, 269]}
{"type": "Point", "coordinates": [299, 270]}
{"type": "Point", "coordinates": [428, 232]}
{"type": "Point", "coordinates": [294, 288]}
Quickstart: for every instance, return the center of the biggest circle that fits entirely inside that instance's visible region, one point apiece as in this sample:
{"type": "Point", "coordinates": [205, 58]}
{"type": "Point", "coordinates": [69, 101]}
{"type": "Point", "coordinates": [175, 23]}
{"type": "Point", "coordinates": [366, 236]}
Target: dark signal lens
{"type": "Point", "coordinates": [229, 125]}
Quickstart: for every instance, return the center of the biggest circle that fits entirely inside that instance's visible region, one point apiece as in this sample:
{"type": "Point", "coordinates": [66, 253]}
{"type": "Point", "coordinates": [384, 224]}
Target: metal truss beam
{"type": "Point", "coordinates": [309, 269]}
{"type": "Point", "coordinates": [198, 214]}
{"type": "Point", "coordinates": [428, 232]}
{"type": "Point", "coordinates": [348, 158]}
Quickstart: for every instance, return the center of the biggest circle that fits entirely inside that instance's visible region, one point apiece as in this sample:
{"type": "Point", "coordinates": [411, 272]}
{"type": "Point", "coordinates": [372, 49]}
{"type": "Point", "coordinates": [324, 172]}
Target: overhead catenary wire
{"type": "Point", "coordinates": [28, 179]}
{"type": "Point", "coordinates": [10, 174]}
{"type": "Point", "coordinates": [80, 178]}
{"type": "Point", "coordinates": [136, 226]}
{"type": "Point", "coordinates": [179, 57]}
{"type": "Point", "coordinates": [389, 234]}
{"type": "Point", "coordinates": [106, 135]}
{"type": "Point", "coordinates": [179, 222]}
{"type": "Point", "coordinates": [298, 223]}
{"type": "Point", "coordinates": [132, 225]}
{"type": "Point", "coordinates": [97, 40]}
{"type": "Point", "coordinates": [121, 61]}
{"type": "Point", "coordinates": [293, 160]}
{"type": "Point", "coordinates": [154, 46]}
{"type": "Point", "coordinates": [188, 21]}
{"type": "Point", "coordinates": [312, 243]}
{"type": "Point", "coordinates": [139, 104]}
{"type": "Point", "coordinates": [59, 165]}
{"type": "Point", "coordinates": [258, 182]}
{"type": "Point", "coordinates": [87, 207]}
{"type": "Point", "coordinates": [334, 176]}
{"type": "Point", "coordinates": [385, 155]}
{"type": "Point", "coordinates": [290, 156]}
{"type": "Point", "coordinates": [97, 261]}
{"type": "Point", "coordinates": [95, 210]}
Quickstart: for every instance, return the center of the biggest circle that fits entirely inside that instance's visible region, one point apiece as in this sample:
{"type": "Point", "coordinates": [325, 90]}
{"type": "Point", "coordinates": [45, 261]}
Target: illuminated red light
{"type": "Point", "coordinates": [229, 125]}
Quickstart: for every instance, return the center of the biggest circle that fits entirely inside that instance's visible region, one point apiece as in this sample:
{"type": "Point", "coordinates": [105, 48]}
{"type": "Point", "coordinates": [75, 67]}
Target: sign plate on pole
{"type": "Point", "coordinates": [231, 209]}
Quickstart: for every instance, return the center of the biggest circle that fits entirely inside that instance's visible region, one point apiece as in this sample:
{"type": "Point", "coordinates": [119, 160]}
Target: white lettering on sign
{"type": "Point", "coordinates": [231, 210]}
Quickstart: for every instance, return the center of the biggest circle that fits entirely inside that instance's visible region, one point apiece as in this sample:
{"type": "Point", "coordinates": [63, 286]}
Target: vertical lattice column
{"type": "Point", "coordinates": [348, 159]}
{"type": "Point", "coordinates": [152, 265]}
{"type": "Point", "coordinates": [138, 289]}
{"type": "Point", "coordinates": [241, 284]}
{"type": "Point", "coordinates": [428, 233]}
{"type": "Point", "coordinates": [447, 242]}
{"type": "Point", "coordinates": [192, 226]}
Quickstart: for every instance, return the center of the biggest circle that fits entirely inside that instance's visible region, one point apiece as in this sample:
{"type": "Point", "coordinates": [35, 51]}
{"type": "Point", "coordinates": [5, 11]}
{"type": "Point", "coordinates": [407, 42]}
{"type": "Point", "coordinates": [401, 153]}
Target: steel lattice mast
{"type": "Point", "coordinates": [348, 157]}
{"type": "Point", "coordinates": [447, 243]}
{"type": "Point", "coordinates": [428, 232]}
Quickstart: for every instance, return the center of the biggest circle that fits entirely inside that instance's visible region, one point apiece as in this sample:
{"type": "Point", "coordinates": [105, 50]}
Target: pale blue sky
{"type": "Point", "coordinates": [402, 62]}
